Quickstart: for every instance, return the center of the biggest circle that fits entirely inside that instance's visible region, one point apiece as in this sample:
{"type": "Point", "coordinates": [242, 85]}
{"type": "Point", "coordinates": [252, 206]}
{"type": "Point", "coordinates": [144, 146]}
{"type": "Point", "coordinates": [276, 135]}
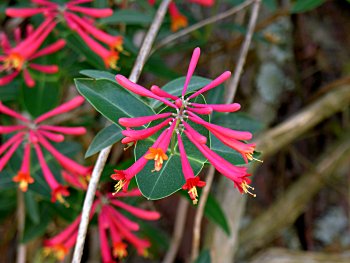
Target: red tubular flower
{"type": "Point", "coordinates": [124, 176]}
{"type": "Point", "coordinates": [203, 2]}
{"type": "Point", "coordinates": [18, 58]}
{"type": "Point", "coordinates": [191, 181]}
{"type": "Point", "coordinates": [112, 225]}
{"type": "Point", "coordinates": [33, 133]}
{"type": "Point", "coordinates": [82, 25]}
{"type": "Point", "coordinates": [178, 20]}
{"type": "Point", "coordinates": [51, 9]}
{"type": "Point", "coordinates": [23, 177]}
{"type": "Point", "coordinates": [181, 125]}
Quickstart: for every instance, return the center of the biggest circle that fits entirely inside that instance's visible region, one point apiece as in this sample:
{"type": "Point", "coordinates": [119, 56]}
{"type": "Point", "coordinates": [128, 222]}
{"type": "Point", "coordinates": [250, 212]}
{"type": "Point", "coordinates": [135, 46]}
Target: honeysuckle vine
{"type": "Point", "coordinates": [183, 114]}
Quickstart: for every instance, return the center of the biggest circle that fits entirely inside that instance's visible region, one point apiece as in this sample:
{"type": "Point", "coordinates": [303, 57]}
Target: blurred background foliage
{"type": "Point", "coordinates": [298, 56]}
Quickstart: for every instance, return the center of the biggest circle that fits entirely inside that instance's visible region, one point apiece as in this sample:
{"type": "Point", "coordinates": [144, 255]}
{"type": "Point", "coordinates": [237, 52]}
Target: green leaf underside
{"type": "Point", "coordinates": [104, 138]}
{"type": "Point", "coordinates": [157, 185]}
{"type": "Point", "coordinates": [112, 100]}
{"type": "Point", "coordinates": [175, 87]}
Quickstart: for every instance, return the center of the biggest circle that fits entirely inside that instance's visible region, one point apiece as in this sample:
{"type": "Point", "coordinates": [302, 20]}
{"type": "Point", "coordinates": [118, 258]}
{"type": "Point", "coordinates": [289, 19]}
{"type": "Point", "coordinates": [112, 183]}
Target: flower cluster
{"type": "Point", "coordinates": [84, 25]}
{"type": "Point", "coordinates": [178, 20]}
{"type": "Point", "coordinates": [121, 229]}
{"type": "Point", "coordinates": [178, 121]}
{"type": "Point", "coordinates": [36, 134]}
{"type": "Point", "coordinates": [19, 58]}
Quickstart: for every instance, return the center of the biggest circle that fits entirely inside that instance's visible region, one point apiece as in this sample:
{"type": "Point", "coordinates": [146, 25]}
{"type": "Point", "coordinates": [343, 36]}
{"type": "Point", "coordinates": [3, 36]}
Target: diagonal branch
{"type": "Point", "coordinates": [102, 158]}
{"type": "Point", "coordinates": [294, 200]}
{"type": "Point", "coordinates": [201, 24]}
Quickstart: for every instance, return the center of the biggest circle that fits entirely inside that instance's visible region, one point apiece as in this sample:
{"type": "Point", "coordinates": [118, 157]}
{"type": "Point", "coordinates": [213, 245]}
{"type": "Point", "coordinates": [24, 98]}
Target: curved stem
{"type": "Point", "coordinates": [102, 158]}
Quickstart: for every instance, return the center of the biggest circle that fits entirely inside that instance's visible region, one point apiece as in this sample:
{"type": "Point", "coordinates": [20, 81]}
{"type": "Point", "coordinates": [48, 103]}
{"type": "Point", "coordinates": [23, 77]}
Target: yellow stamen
{"type": "Point", "coordinates": [245, 188]}
{"type": "Point", "coordinates": [14, 61]}
{"type": "Point", "coordinates": [128, 146]}
{"type": "Point", "coordinates": [193, 194]}
{"type": "Point", "coordinates": [250, 157]}
{"type": "Point", "coordinates": [118, 186]}
{"type": "Point", "coordinates": [59, 198]}
{"type": "Point", "coordinates": [119, 250]}
{"type": "Point", "coordinates": [158, 155]}
{"type": "Point", "coordinates": [23, 185]}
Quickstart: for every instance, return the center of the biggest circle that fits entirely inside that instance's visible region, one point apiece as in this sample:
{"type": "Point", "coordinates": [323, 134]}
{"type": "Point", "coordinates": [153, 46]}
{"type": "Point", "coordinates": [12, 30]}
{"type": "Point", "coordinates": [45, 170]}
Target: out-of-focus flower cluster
{"type": "Point", "coordinates": [111, 221]}
{"type": "Point", "coordinates": [179, 116]}
{"type": "Point", "coordinates": [178, 20]}
{"type": "Point", "coordinates": [18, 58]}
{"type": "Point", "coordinates": [29, 134]}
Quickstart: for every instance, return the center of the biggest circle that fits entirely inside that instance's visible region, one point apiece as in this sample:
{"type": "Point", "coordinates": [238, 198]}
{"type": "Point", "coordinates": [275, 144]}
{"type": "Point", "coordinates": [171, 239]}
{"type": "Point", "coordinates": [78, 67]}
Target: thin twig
{"type": "Point", "coordinates": [199, 215]}
{"type": "Point", "coordinates": [232, 88]}
{"type": "Point", "coordinates": [201, 24]}
{"type": "Point", "coordinates": [102, 158]}
{"type": "Point", "coordinates": [179, 228]}
{"type": "Point", "coordinates": [231, 93]}
{"type": "Point", "coordinates": [21, 214]}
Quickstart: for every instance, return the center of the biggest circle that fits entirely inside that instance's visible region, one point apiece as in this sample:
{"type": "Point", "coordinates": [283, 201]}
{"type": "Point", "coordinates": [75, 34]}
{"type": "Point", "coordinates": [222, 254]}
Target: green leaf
{"type": "Point", "coordinates": [9, 92]}
{"type": "Point", "coordinates": [175, 87]}
{"type": "Point", "coordinates": [306, 5]}
{"type": "Point", "coordinates": [128, 17]}
{"type": "Point", "coordinates": [42, 98]}
{"type": "Point", "coordinates": [204, 257]}
{"type": "Point", "coordinates": [32, 230]}
{"type": "Point", "coordinates": [104, 138]}
{"type": "Point", "coordinates": [239, 121]}
{"type": "Point", "coordinates": [98, 74]}
{"type": "Point", "coordinates": [112, 100]}
{"type": "Point", "coordinates": [8, 202]}
{"type": "Point", "coordinates": [213, 212]}
{"type": "Point", "coordinates": [32, 207]}
{"type": "Point", "coordinates": [157, 185]}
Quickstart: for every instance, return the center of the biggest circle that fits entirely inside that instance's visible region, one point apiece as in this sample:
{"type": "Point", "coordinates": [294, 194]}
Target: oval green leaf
{"type": "Point", "coordinates": [157, 185]}
{"type": "Point", "coordinates": [112, 100]}
{"type": "Point", "coordinates": [104, 138]}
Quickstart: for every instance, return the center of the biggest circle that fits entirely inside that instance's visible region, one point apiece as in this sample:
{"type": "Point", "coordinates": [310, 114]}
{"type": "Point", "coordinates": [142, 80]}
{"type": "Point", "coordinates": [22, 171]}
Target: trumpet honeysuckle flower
{"type": "Point", "coordinates": [124, 176]}
{"type": "Point", "coordinates": [35, 134]}
{"type": "Point", "coordinates": [178, 20]}
{"type": "Point", "coordinates": [19, 58]}
{"type": "Point", "coordinates": [53, 9]}
{"type": "Point", "coordinates": [179, 122]}
{"type": "Point", "coordinates": [83, 25]}
{"type": "Point", "coordinates": [116, 230]}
